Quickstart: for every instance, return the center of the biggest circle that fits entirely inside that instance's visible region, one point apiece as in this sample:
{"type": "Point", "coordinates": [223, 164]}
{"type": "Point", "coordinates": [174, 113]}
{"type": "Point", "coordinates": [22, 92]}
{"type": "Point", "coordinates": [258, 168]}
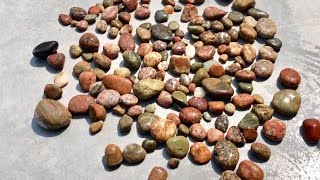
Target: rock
{"type": "Point", "coordinates": [263, 112]}
{"type": "Point", "coordinates": [126, 42]}
{"type": "Point", "coordinates": [133, 153]}
{"type": "Point", "coordinates": [233, 34]}
{"type": "Point", "coordinates": [236, 17]}
{"type": "Point", "coordinates": [130, 5]}
{"type": "Point", "coordinates": [226, 78]}
{"type": "Point", "coordinates": [144, 122]}
{"type": "Point", "coordinates": [243, 5]}
{"type": "Point", "coordinates": [234, 135]}
{"type": "Point", "coordinates": [135, 111]}
{"type": "Point", "coordinates": [122, 72]}
{"type": "Point", "coordinates": [161, 16]}
{"type": "Point", "coordinates": [108, 98]}
{"type": "Point", "coordinates": [189, 11]}
{"type": "Point", "coordinates": [82, 66]}
{"type": "Point", "coordinates": [217, 26]}
{"type": "Point", "coordinates": [178, 48]}
{"type": "Point", "coordinates": [113, 155]}
{"type": "Point", "coordinates": [143, 34]}
{"type": "Point", "coordinates": [234, 49]}
{"type": "Point", "coordinates": [222, 123]}
{"type": "Point", "coordinates": [113, 33]}
{"type": "Point", "coordinates": [250, 135]}
{"type": "Point", "coordinates": [216, 107]}
{"type": "Point", "coordinates": [243, 100]}
{"type": "Point", "coordinates": [229, 175]}
{"type": "Point", "coordinates": [197, 132]}
{"type": "Point", "coordinates": [266, 28]}
{"type": "Point", "coordinates": [161, 32]}
{"type": "Point", "coordinates": [286, 102]}
{"type": "Point", "coordinates": [129, 100]}
{"type": "Point", "coordinates": [142, 13]}
{"type": "Point", "coordinates": [147, 88]}
{"type": "Point", "coordinates": [97, 112]}
{"type": "Point", "coordinates": [222, 38]}
{"type": "Point", "coordinates": [217, 89]}
{"type": "Point", "coordinates": [173, 25]}
{"type": "Point", "coordinates": [162, 129]}
{"type": "Point", "coordinates": [200, 153]}
{"type": "Point", "coordinates": [266, 52]}
{"type": "Point", "coordinates": [196, 66]}
{"type": "Point", "coordinates": [290, 78]}
{"type": "Point", "coordinates": [179, 64]}
{"type": "Point", "coordinates": [61, 79]}
{"type": "Point", "coordinates": [183, 130]}
{"type": "Point", "coordinates": [249, 170]}
{"type": "Point", "coordinates": [205, 53]}
{"type": "Point", "coordinates": [173, 163]}
{"type": "Point", "coordinates": [77, 13]}
{"type": "Point", "coordinates": [43, 50]}
{"type": "Point", "coordinates": [257, 13]}
{"type": "Point", "coordinates": [196, 30]}
{"type": "Point", "coordinates": [190, 51]}
{"type": "Point", "coordinates": [190, 115]}
{"type": "Point", "coordinates": [227, 23]}
{"type": "Point", "coordinates": [90, 19]}
{"type": "Point", "coordinates": [214, 136]}
{"type": "Point", "coordinates": [249, 121]}
{"type": "Point", "coordinates": [258, 99]}
{"type": "Point", "coordinates": [198, 103]}
{"type": "Point", "coordinates": [56, 60]}
{"type": "Point", "coordinates": [152, 59]}
{"type": "Point", "coordinates": [229, 109]}
{"type": "Point", "coordinates": [250, 21]}
{"type": "Point", "coordinates": [261, 151]}
{"type": "Point", "coordinates": [177, 146]}
{"type": "Point", "coordinates": [89, 42]}
{"type": "Point", "coordinates": [274, 130]}
{"type": "Point", "coordinates": [311, 130]}
{"type": "Point", "coordinates": [151, 108]}
{"type": "Point", "coordinates": [275, 43]}
{"type": "Point", "coordinates": [52, 91]}
{"type": "Point", "coordinates": [159, 45]}
{"type": "Point", "coordinates": [263, 68]}
{"type": "Point", "coordinates": [96, 127]}
{"type": "Point", "coordinates": [99, 74]}
{"type": "Point", "coordinates": [149, 145]}
{"type": "Point", "coordinates": [164, 99]}
{"type": "Point", "coordinates": [199, 92]}
{"type": "Point", "coordinates": [207, 117]}
{"type": "Point", "coordinates": [200, 75]}
{"type": "Point", "coordinates": [233, 68]}
{"type": "Point", "coordinates": [75, 51]}
{"type": "Point", "coordinates": [213, 13]}
{"type": "Point", "coordinates": [117, 83]}
{"type": "Point", "coordinates": [158, 173]}
{"type": "Point", "coordinates": [180, 98]}
{"type": "Point", "coordinates": [248, 53]}
{"type": "Point", "coordinates": [216, 71]}
{"type": "Point", "coordinates": [65, 19]}
{"type": "Point", "coordinates": [226, 155]}
{"type": "Point", "coordinates": [173, 117]}
{"type": "Point", "coordinates": [125, 123]}
{"type": "Point", "coordinates": [86, 79]}
{"type": "Point", "coordinates": [144, 49]}
{"type": "Point", "coordinates": [102, 26]}
{"type": "Point", "coordinates": [245, 87]}
{"type": "Point", "coordinates": [80, 104]}
{"type": "Point", "coordinates": [119, 109]}
{"type": "Point", "coordinates": [102, 61]}
{"type": "Point", "coordinates": [132, 59]}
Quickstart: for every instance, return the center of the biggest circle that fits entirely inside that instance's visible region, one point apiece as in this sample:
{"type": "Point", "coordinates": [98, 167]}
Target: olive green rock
{"type": "Point", "coordinates": [178, 146]}
{"type": "Point", "coordinates": [151, 108]}
{"type": "Point", "coordinates": [200, 75]}
{"type": "Point", "coordinates": [52, 115]}
{"type": "Point", "coordinates": [146, 25]}
{"type": "Point", "coordinates": [90, 18]}
{"type": "Point", "coordinates": [161, 16]}
{"type": "Point", "coordinates": [249, 121]}
{"type": "Point", "coordinates": [286, 102]}
{"type": "Point", "coordinates": [258, 99]}
{"type": "Point", "coordinates": [173, 25]}
{"type": "Point", "coordinates": [132, 59]}
{"type": "Point", "coordinates": [275, 43]}
{"type": "Point", "coordinates": [245, 87]}
{"type": "Point", "coordinates": [180, 98]}
{"type": "Point", "coordinates": [227, 23]}
{"type": "Point", "coordinates": [183, 130]}
{"type": "Point", "coordinates": [147, 88]}
{"type": "Point", "coordinates": [226, 78]}
{"type": "Point", "coordinates": [217, 88]}
{"type": "Point", "coordinates": [263, 112]}
{"type": "Point", "coordinates": [144, 122]}
{"type": "Point", "coordinates": [149, 145]}
{"type": "Point", "coordinates": [196, 66]}
{"type": "Point", "coordinates": [197, 30]}
{"type": "Point", "coordinates": [125, 123]}
{"type": "Point", "coordinates": [236, 17]}
{"type": "Point", "coordinates": [183, 89]}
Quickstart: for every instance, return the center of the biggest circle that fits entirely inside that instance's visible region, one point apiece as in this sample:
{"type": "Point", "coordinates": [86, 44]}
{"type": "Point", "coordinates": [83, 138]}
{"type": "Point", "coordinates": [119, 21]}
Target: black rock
{"type": "Point", "coordinates": [161, 32]}
{"type": "Point", "coordinates": [257, 13]}
{"type": "Point", "coordinates": [275, 43]}
{"type": "Point", "coordinates": [45, 49]}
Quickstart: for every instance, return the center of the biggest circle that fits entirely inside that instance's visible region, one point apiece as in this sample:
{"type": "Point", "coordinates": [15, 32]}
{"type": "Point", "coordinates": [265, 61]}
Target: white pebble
{"type": "Point", "coordinates": [163, 66]}
{"type": "Point", "coordinates": [190, 51]}
{"type": "Point", "coordinates": [199, 92]}
{"type": "Point", "coordinates": [250, 21]}
{"type": "Point", "coordinates": [61, 79]}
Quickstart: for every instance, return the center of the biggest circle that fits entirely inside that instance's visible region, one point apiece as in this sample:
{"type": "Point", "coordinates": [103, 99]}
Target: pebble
{"type": "Point", "coordinates": [111, 50]}
{"type": "Point", "coordinates": [185, 80]}
{"type": "Point", "coordinates": [130, 5]}
{"type": "Point", "coordinates": [43, 50]}
{"type": "Point", "coordinates": [248, 53]}
{"type": "Point", "coordinates": [177, 146]}
{"type": "Point", "coordinates": [250, 135]}
{"type": "Point", "coordinates": [233, 34]}
{"type": "Point", "coordinates": [162, 129]}
{"type": "Point", "coordinates": [213, 13]}
{"type": "Point", "coordinates": [89, 42]}
{"type": "Point", "coordinates": [164, 99]}
{"type": "Point", "coordinates": [117, 83]}
{"type": "Point", "coordinates": [144, 122]}
{"type": "Point", "coordinates": [132, 59]}
{"type": "Point", "coordinates": [129, 100]}
{"type": "Point", "coordinates": [124, 17]}
{"type": "Point", "coordinates": [117, 24]}
{"type": "Point", "coordinates": [97, 112]}
{"type": "Point", "coordinates": [226, 155]}
{"type": "Point", "coordinates": [149, 145]}
{"type": "Point", "coordinates": [125, 123]}
{"type": "Point", "coordinates": [127, 28]}
{"type": "Point", "coordinates": [236, 17]}
{"type": "Point", "coordinates": [90, 18]}
{"type": "Point", "coordinates": [243, 5]}
{"type": "Point", "coordinates": [99, 73]}
{"type": "Point", "coordinates": [175, 118]}
{"type": "Point", "coordinates": [197, 132]}
{"type": "Point", "coordinates": [227, 23]}
{"type": "Point", "coordinates": [94, 10]}
{"type": "Point", "coordinates": [147, 88]}
{"type": "Point", "coordinates": [113, 32]}
{"type": "Point", "coordinates": [234, 49]}
{"type": "Point", "coordinates": [109, 14]}
{"type": "Point", "coordinates": [247, 32]}
{"type": "Point", "coordinates": [235, 136]}
{"type": "Point", "coordinates": [159, 45]}
{"type": "Point", "coordinates": [229, 108]}
{"type": "Point", "coordinates": [133, 153]}
{"type": "Point", "coordinates": [245, 87]}
{"type": "Point", "coordinates": [142, 13]}
{"type": "Point", "coordinates": [275, 43]}
{"type": "Point", "coordinates": [161, 16]}
{"type": "Point", "coordinates": [190, 115]}
{"type": "Point", "coordinates": [161, 32]}
{"type": "Point", "coordinates": [311, 130]}
{"type": "Point", "coordinates": [249, 20]}
{"type": "Point", "coordinates": [135, 111]}
{"type": "Point", "coordinates": [199, 92]}
{"type": "Point", "coordinates": [222, 123]}
{"type": "Point", "coordinates": [173, 163]}
{"type": "Point", "coordinates": [229, 175]}
{"type": "Point", "coordinates": [249, 121]}
{"type": "Point", "coordinates": [286, 102]}
{"type": "Point", "coordinates": [190, 51]}
{"type": "Point", "coordinates": [200, 153]}
{"type": "Point", "coordinates": [143, 34]}
{"type": "Point", "coordinates": [217, 88]}
{"type": "Point", "coordinates": [223, 58]}
{"type": "Point", "coordinates": [290, 78]}
{"type": "Point", "coordinates": [96, 127]}
{"type": "Point", "coordinates": [87, 56]}
{"type": "Point", "coordinates": [257, 13]}
{"type": "Point", "coordinates": [266, 52]}
{"type": "Point", "coordinates": [107, 3]}
{"type": "Point", "coordinates": [52, 115]}
{"type": "Point", "coordinates": [266, 28]}
{"type": "Point", "coordinates": [73, 23]}
{"type": "Point", "coordinates": [226, 78]}
{"type": "Point", "coordinates": [183, 130]}
{"type": "Point", "coordinates": [113, 155]}
{"type": "Point", "coordinates": [144, 49]}
{"type": "Point", "coordinates": [207, 38]}
{"type": "Point", "coordinates": [122, 72]}
{"type": "Point", "coordinates": [233, 68]}
{"type": "Point", "coordinates": [200, 75]}
{"type": "Point", "coordinates": [61, 79]}
{"type": "Point", "coordinates": [242, 101]}
{"type": "Point", "coordinates": [151, 108]}
{"type": "Point", "coordinates": [87, 78]}
{"type": "Point", "coordinates": [152, 59]}
{"type": "Point", "coordinates": [188, 12]}
{"type": "Point", "coordinates": [198, 103]}
{"type": "Point", "coordinates": [216, 71]}
{"type": "Point", "coordinates": [56, 60]}
{"type": "Point", "coordinates": [249, 170]}
{"type": "Point", "coordinates": [183, 89]}
{"type": "Point", "coordinates": [214, 136]}
{"type": "Point", "coordinates": [179, 64]}
{"type": "Point", "coordinates": [180, 98]}
{"type": "Point", "coordinates": [258, 99]}
{"type": "Point", "coordinates": [126, 42]}
{"type": "Point", "coordinates": [263, 112]}
{"type": "Point", "coordinates": [82, 66]}
{"type": "Point", "coordinates": [119, 109]}
{"type": "Point", "coordinates": [65, 19]}
{"type": "Point", "coordinates": [52, 91]}
{"type": "Point", "coordinates": [178, 48]}
{"type": "Point", "coordinates": [77, 13]}
{"type": "Point", "coordinates": [261, 151]}
{"type": "Point", "coordinates": [216, 107]}
{"type": "Point", "coordinates": [158, 173]}
{"type": "Point", "coordinates": [75, 51]}
{"type": "Point", "coordinates": [168, 9]}
{"type": "Point", "coordinates": [147, 73]}
{"type": "Point", "coordinates": [195, 30]}
{"type": "Point", "coordinates": [108, 98]}
{"type": "Point", "coordinates": [263, 68]}
{"type": "Point", "coordinates": [196, 66]}
{"type": "Point", "coordinates": [207, 117]}
{"type": "Point", "coordinates": [274, 130]}
{"type": "Point", "coordinates": [217, 26]}
{"type": "Point", "coordinates": [80, 104]}
{"type": "Point", "coordinates": [177, 8]}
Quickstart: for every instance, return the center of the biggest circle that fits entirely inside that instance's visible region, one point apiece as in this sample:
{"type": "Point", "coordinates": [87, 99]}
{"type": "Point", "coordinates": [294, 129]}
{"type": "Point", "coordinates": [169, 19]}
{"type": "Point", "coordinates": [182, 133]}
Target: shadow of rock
{"type": "Point", "coordinates": [281, 117]}
{"type": "Point", "coordinates": [223, 2]}
{"type": "Point", "coordinates": [78, 87]}
{"type": "Point", "coordinates": [44, 132]}
{"type": "Point", "coordinates": [279, 84]}
{"type": "Point", "coordinates": [37, 62]}
{"type": "Point", "coordinates": [105, 165]}
{"type": "Point", "coordinates": [215, 166]}
{"type": "Point", "coordinates": [301, 132]}
{"type": "Point", "coordinates": [253, 158]}
{"type": "Point", "coordinates": [165, 154]}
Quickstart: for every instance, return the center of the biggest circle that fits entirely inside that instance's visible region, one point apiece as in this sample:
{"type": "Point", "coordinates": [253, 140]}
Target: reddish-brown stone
{"type": "Point", "coordinates": [200, 153]}
{"type": "Point", "coordinates": [274, 130]}
{"type": "Point", "coordinates": [190, 115]}
{"type": "Point", "coordinates": [245, 75]}
{"type": "Point", "coordinates": [80, 104]}
{"type": "Point", "coordinates": [52, 91]}
{"type": "Point", "coordinates": [311, 129]}
{"type": "Point", "coordinates": [216, 71]}
{"type": "Point", "coordinates": [117, 83]}
{"type": "Point", "coordinates": [248, 170]}
{"type": "Point", "coordinates": [164, 99]}
{"type": "Point", "coordinates": [243, 100]}
{"type": "Point", "coordinates": [56, 60]}
{"type": "Point", "coordinates": [126, 42]}
{"type": "Point", "coordinates": [130, 5]}
{"type": "Point", "coordinates": [94, 10]}
{"type": "Point", "coordinates": [250, 135]}
{"type": "Point", "coordinates": [87, 78]}
{"type": "Point", "coordinates": [175, 118]}
{"type": "Point", "coordinates": [198, 103]}
{"type": "Point", "coordinates": [213, 13]}
{"type": "Point", "coordinates": [97, 112]}
{"type": "Point", "coordinates": [188, 13]}
{"type": "Point", "coordinates": [65, 19]}
{"type": "Point", "coordinates": [290, 78]}
{"type": "Point", "coordinates": [217, 107]}
{"type": "Point", "coordinates": [158, 173]}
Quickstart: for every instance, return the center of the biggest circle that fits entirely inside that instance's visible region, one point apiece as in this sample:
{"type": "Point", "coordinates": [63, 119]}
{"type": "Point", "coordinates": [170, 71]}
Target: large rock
{"type": "Point", "coordinates": [161, 32]}
{"type": "Point", "coordinates": [148, 88]}
{"type": "Point", "coordinates": [117, 83]}
{"type": "Point", "coordinates": [217, 88]}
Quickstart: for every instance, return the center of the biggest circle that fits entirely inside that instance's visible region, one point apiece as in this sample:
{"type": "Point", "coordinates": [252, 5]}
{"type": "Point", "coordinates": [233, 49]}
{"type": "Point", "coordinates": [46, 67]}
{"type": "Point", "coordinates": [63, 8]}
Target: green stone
{"type": "Point", "coordinates": [196, 66]}
{"type": "Point", "coordinates": [275, 43]}
{"type": "Point", "coordinates": [227, 23]}
{"type": "Point", "coordinates": [151, 108]}
{"type": "Point", "coordinates": [258, 99]}
{"type": "Point", "coordinates": [180, 98]}
{"type": "Point", "coordinates": [174, 25]}
{"type": "Point", "coordinates": [207, 117]}
{"type": "Point", "coordinates": [147, 88]}
{"type": "Point", "coordinates": [121, 8]}
{"type": "Point", "coordinates": [149, 145]}
{"type": "Point", "coordinates": [177, 8]}
{"type": "Point", "coordinates": [183, 89]}
{"type": "Point", "coordinates": [107, 3]}
{"type": "Point", "coordinates": [90, 18]}
{"type": "Point", "coordinates": [217, 89]}
{"type": "Point", "coordinates": [236, 17]}
{"type": "Point", "coordinates": [117, 23]}
{"type": "Point", "coordinates": [250, 121]}
{"type": "Point", "coordinates": [87, 56]}
{"type": "Point", "coordinates": [263, 112]}
{"type": "Point", "coordinates": [161, 16]}
{"type": "Point", "coordinates": [183, 130]}
{"type": "Point", "coordinates": [286, 102]}
{"type": "Point", "coordinates": [200, 75]}
{"type": "Point", "coordinates": [132, 59]}
{"type": "Point", "coordinates": [144, 122]}
{"type": "Point", "coordinates": [125, 123]}
{"type": "Point", "coordinates": [178, 146]}
{"type": "Point", "coordinates": [197, 30]}
{"type": "Point", "coordinates": [99, 73]}
{"type": "Point", "coordinates": [245, 87]}
{"type": "Point", "coordinates": [226, 78]}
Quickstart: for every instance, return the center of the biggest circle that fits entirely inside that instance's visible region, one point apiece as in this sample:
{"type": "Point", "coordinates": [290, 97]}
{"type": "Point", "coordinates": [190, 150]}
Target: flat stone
{"type": "Point", "coordinates": [217, 88]}
{"type": "Point", "coordinates": [43, 50]}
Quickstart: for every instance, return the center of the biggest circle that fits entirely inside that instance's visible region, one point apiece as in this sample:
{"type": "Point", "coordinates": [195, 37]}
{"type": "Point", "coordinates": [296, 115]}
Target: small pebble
{"type": "Point", "coordinates": [266, 52]}
{"type": "Point", "coordinates": [164, 99]}
{"type": "Point", "coordinates": [258, 99]}
{"type": "Point", "coordinates": [61, 79]}
{"type": "Point", "coordinates": [250, 135]}
{"type": "Point", "coordinates": [290, 78]}
{"type": "Point", "coordinates": [52, 92]}
{"type": "Point", "coordinates": [162, 129]}
{"type": "Point", "coordinates": [129, 100]}
{"type": "Point", "coordinates": [173, 163]}
{"type": "Point", "coordinates": [135, 111]}
{"type": "Point", "coordinates": [200, 153]}
{"type": "Point", "coordinates": [199, 92]}
{"type": "Point", "coordinates": [96, 127]}
{"type": "Point", "coordinates": [249, 170]}
{"type": "Point", "coordinates": [149, 145]}
{"type": "Point", "coordinates": [161, 16]}
{"type": "Point", "coordinates": [198, 132]}
{"type": "Point", "coordinates": [207, 117]}
{"type": "Point", "coordinates": [183, 130]}
{"type": "Point", "coordinates": [274, 130]}
{"type": "Point", "coordinates": [79, 104]}
{"type": "Point", "coordinates": [214, 136]}
{"type": "Point", "coordinates": [81, 66]}
{"type": "Point", "coordinates": [222, 123]}
{"type": "Point", "coordinates": [177, 146]}
{"type": "Point", "coordinates": [261, 151]}
{"type": "Point", "coordinates": [56, 60]}
{"type": "Point", "coordinates": [87, 78]}
{"type": "Point", "coordinates": [125, 123]}
{"type": "Point", "coordinates": [229, 108]}
{"type": "Point", "coordinates": [113, 155]}
{"type": "Point", "coordinates": [75, 51]}
{"type": "Point", "coordinates": [108, 98]}
{"type": "Point", "coordinates": [97, 112]}
{"type": "Point", "coordinates": [216, 107]}
{"type": "Point", "coordinates": [151, 108]}
{"type": "Point", "coordinates": [133, 153]}
{"type": "Point", "coordinates": [266, 28]}
{"type": "Point", "coordinates": [158, 173]}
{"type": "Point", "coordinates": [235, 136]}
{"type": "Point", "coordinates": [311, 130]}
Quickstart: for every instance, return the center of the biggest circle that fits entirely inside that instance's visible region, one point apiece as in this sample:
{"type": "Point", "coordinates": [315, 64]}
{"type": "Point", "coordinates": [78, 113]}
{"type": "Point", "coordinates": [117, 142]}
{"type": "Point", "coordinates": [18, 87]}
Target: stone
{"type": "Point", "coordinates": [52, 91]}
{"type": "Point", "coordinates": [183, 130]}
{"type": "Point", "coordinates": [97, 112]}
{"type": "Point", "coordinates": [119, 110]}
{"type": "Point", "coordinates": [143, 34]}
{"type": "Point", "coordinates": [213, 13]}
{"type": "Point", "coordinates": [80, 104]}
{"type": "Point", "coordinates": [82, 66]}
{"type": "Point", "coordinates": [56, 60]}
{"type": "Point", "coordinates": [263, 68]}
{"type": "Point", "coordinates": [117, 83]}
{"type": "Point", "coordinates": [129, 100]}
{"type": "Point", "coordinates": [161, 16]}
{"type": "Point", "coordinates": [100, 74]}
{"type": "Point", "coordinates": [113, 32]}
{"type": "Point", "coordinates": [234, 49]}
{"type": "Point", "coordinates": [226, 155]}
{"type": "Point", "coordinates": [274, 130]}
{"type": "Point", "coordinates": [311, 130]}
{"type": "Point", "coordinates": [144, 49]}
{"type": "Point", "coordinates": [173, 117]}
{"type": "Point", "coordinates": [243, 5]}
{"type": "Point", "coordinates": [61, 79]}
{"type": "Point", "coordinates": [227, 23]}
{"type": "Point", "coordinates": [235, 136]}
{"type": "Point", "coordinates": [196, 66]}
{"type": "Point", "coordinates": [125, 123]}
{"type": "Point", "coordinates": [77, 13]}
{"type": "Point", "coordinates": [126, 42]}
{"type": "Point", "coordinates": [261, 151]}
{"type": "Point", "coordinates": [75, 51]}
{"type": "Point", "coordinates": [89, 42]}
{"type": "Point", "coordinates": [229, 109]}
{"type": "Point", "coordinates": [158, 173]}
{"type": "Point", "coordinates": [248, 53]}
{"type": "Point", "coordinates": [216, 71]}
{"type": "Point", "coordinates": [52, 115]}
{"type": "Point", "coordinates": [147, 88]}
{"type": "Point", "coordinates": [152, 59]}
{"type": "Point", "coordinates": [43, 50]}
{"type": "Point", "coordinates": [185, 80]}
{"type": "Point", "coordinates": [222, 38]}
{"type": "Point", "coordinates": [108, 98]}
{"type": "Point", "coordinates": [233, 68]}
{"type": "Point", "coordinates": [245, 87]}
{"type": "Point", "coordinates": [263, 112]}
{"type": "Point", "coordinates": [65, 19]}
{"type": "Point", "coordinates": [205, 53]}
{"type": "Point", "coordinates": [94, 10]}
{"type": "Point", "coordinates": [122, 72]}
{"type": "Point", "coordinates": [161, 32]}
{"type": "Point", "coordinates": [207, 117]}
{"type": "Point", "coordinates": [217, 26]}
{"type": "Point", "coordinates": [200, 153]}
{"type": "Point", "coordinates": [233, 34]}
{"type": "Point", "coordinates": [275, 43]}
{"type": "Point", "coordinates": [162, 129]}
{"type": "Point", "coordinates": [266, 28]}
{"type": "Point", "coordinates": [135, 111]}
{"type": "Point", "coordinates": [127, 28]}
{"type": "Point", "coordinates": [107, 3]}
{"type": "Point", "coordinates": [198, 103]}
{"type": "Point", "coordinates": [144, 122]}
{"type": "Point", "coordinates": [180, 98]}
{"type": "Point", "coordinates": [222, 123]}
{"type": "Point", "coordinates": [173, 25]}
{"type": "Point", "coordinates": [132, 59]}
{"type": "Point", "coordinates": [179, 64]}
{"type": "Point", "coordinates": [124, 17]}
{"type": "Point", "coordinates": [258, 99]}
{"type": "Point", "coordinates": [151, 108]}
{"type": "Point", "coordinates": [113, 155]}
{"type": "Point", "coordinates": [216, 107]}
{"type": "Point", "coordinates": [250, 21]}
{"type": "Point", "coordinates": [266, 52]}
{"type": "Point", "coordinates": [236, 17]}
{"type": "Point", "coordinates": [190, 115]}
{"type": "Point", "coordinates": [149, 145]}
{"type": "Point", "coordinates": [242, 101]}
{"type": "Point", "coordinates": [249, 170]}
{"type": "Point", "coordinates": [226, 78]}
{"type": "Point", "coordinates": [159, 45]}
{"type": "Point", "coordinates": [257, 13]}
{"type": "Point", "coordinates": [290, 78]}
{"type": "Point", "coordinates": [173, 163]}
{"type": "Point", "coordinates": [229, 175]}
{"type": "Point", "coordinates": [133, 153]}
{"type": "Point", "coordinates": [214, 136]}
{"type": "Point", "coordinates": [177, 146]}
{"type": "Point", "coordinates": [130, 5]}
{"type": "Point", "coordinates": [247, 32]}
{"type": "Point", "coordinates": [96, 127]}
{"type": "Point", "coordinates": [188, 12]}
{"type": "Point", "coordinates": [168, 9]}
{"type": "Point", "coordinates": [249, 121]}
{"type": "Point", "coordinates": [250, 135]}
{"type": "Point", "coordinates": [90, 18]}
{"type": "Point", "coordinates": [200, 75]}
{"type": "Point", "coordinates": [217, 88]}
{"type": "Point", "coordinates": [86, 78]}
{"type": "Point", "coordinates": [178, 48]}
{"type": "Point", "coordinates": [286, 102]}
{"type": "Point", "coordinates": [164, 99]}
{"type": "Point", "coordinates": [142, 13]}
{"type": "Point", "coordinates": [197, 132]}
{"type": "Point", "coordinates": [190, 51]}
{"type": "Point", "coordinates": [199, 92]}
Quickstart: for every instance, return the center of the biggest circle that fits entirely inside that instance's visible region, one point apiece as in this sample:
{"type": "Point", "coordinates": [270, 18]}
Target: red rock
{"type": "Point", "coordinates": [190, 115]}
{"type": "Point", "coordinates": [89, 42]}
{"type": "Point", "coordinates": [214, 136]}
{"type": "Point", "coordinates": [109, 14]}
{"type": "Point", "coordinates": [245, 75]}
{"type": "Point", "coordinates": [52, 91]}
{"type": "Point", "coordinates": [130, 5]}
{"type": "Point", "coordinates": [171, 85]}
{"type": "Point", "coordinates": [290, 78]}
{"type": "Point", "coordinates": [248, 170]}
{"type": "Point", "coordinates": [97, 112]}
{"type": "Point", "coordinates": [189, 11]}
{"type": "Point", "coordinates": [169, 2]}
{"type": "Point", "coordinates": [235, 136]}
{"type": "Point", "coordinates": [117, 83]}
{"type": "Point", "coordinates": [80, 104]}
{"type": "Point", "coordinates": [94, 10]}
{"type": "Point", "coordinates": [175, 118]}
{"type": "Point", "coordinates": [158, 173]}
{"type": "Point", "coordinates": [124, 17]}
{"type": "Point", "coordinates": [197, 132]}
{"type": "Point", "coordinates": [274, 130]}
{"type": "Point", "coordinates": [200, 153]}
{"type": "Point", "coordinates": [213, 13]}
{"type": "Point", "coordinates": [142, 13]}
{"type": "Point", "coordinates": [56, 60]}
{"type": "Point", "coordinates": [192, 87]}
{"type": "Point", "coordinates": [164, 99]}
{"type": "Point", "coordinates": [135, 111]}
{"type": "Point", "coordinates": [311, 129]}
{"type": "Point", "coordinates": [205, 53]}
{"type": "Point", "coordinates": [126, 42]}
{"type": "Point", "coordinates": [65, 19]}
{"type": "Point", "coordinates": [87, 78]}
{"type": "Point", "coordinates": [250, 135]}
{"type": "Point", "coordinates": [217, 107]}
{"type": "Point", "coordinates": [179, 64]}
{"type": "Point", "coordinates": [198, 103]}
{"type": "Point", "coordinates": [243, 100]}
{"type": "Point", "coordinates": [216, 71]}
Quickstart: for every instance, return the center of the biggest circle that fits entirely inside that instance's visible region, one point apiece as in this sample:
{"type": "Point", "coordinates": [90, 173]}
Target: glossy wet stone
{"type": "Point", "coordinates": [89, 42]}
{"type": "Point", "coordinates": [161, 32]}
{"type": "Point", "coordinates": [275, 43]}
{"type": "Point", "coordinates": [43, 50]}
{"type": "Point", "coordinates": [249, 121]}
{"type": "Point", "coordinates": [274, 130]}
{"type": "Point", "coordinates": [236, 17]}
{"type": "Point", "coordinates": [257, 13]}
{"type": "Point", "coordinates": [290, 78]}
{"type": "Point", "coordinates": [261, 151]}
{"type": "Point", "coordinates": [200, 75]}
{"type": "Point", "coordinates": [250, 135]}
{"type": "Point", "coordinates": [222, 123]}
{"type": "Point", "coordinates": [226, 155]}
{"type": "Point", "coordinates": [263, 112]}
{"type": "Point", "coordinates": [249, 170]}
{"type": "Point", "coordinates": [113, 155]}
{"type": "Point", "coordinates": [311, 130]}
{"type": "Point", "coordinates": [133, 153]}
{"type": "Point", "coordinates": [245, 87]}
{"type": "Point", "coordinates": [286, 102]}
{"type": "Point", "coordinates": [243, 5]}
{"type": "Point", "coordinates": [190, 115]}
{"type": "Point", "coordinates": [158, 173]}
{"type": "Point", "coordinates": [177, 146]}
{"type": "Point", "coordinates": [217, 88]}
{"type": "Point", "coordinates": [235, 136]}
{"type": "Point", "coordinates": [144, 122]}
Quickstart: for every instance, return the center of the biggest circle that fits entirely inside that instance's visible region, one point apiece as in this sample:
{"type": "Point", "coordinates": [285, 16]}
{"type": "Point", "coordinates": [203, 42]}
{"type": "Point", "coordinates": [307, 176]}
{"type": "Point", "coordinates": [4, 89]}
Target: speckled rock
{"type": "Point", "coordinates": [249, 170]}
{"type": "Point", "coordinates": [144, 122]}
{"type": "Point", "coordinates": [108, 98]}
{"type": "Point", "coordinates": [158, 173]}
{"type": "Point", "coordinates": [197, 132]}
{"type": "Point", "coordinates": [126, 42]}
{"type": "Point", "coordinates": [189, 11]}
{"type": "Point", "coordinates": [229, 175]}
{"type": "Point", "coordinates": [274, 130]}
{"type": "Point", "coordinates": [266, 28]}
{"type": "Point", "coordinates": [226, 155]}
{"type": "Point", "coordinates": [263, 68]}
{"type": "Point", "coordinates": [222, 123]}
{"type": "Point", "coordinates": [162, 129]}
{"type": "Point", "coordinates": [148, 88]}
{"type": "Point", "coordinates": [152, 59]}
{"type": "Point", "coordinates": [249, 121]}
{"type": "Point", "coordinates": [130, 5]}
{"type": "Point", "coordinates": [243, 100]}
{"type": "Point", "coordinates": [200, 153]}
{"type": "Point", "coordinates": [261, 151]}
{"type": "Point", "coordinates": [161, 32]}
{"type": "Point", "coordinates": [263, 112]}
{"type": "Point", "coordinates": [190, 115]}
{"type": "Point", "coordinates": [266, 52]}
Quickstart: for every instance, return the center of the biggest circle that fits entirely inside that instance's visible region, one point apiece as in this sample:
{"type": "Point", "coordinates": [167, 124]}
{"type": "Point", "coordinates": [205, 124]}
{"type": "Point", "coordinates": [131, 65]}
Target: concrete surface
{"type": "Point", "coordinates": [29, 152]}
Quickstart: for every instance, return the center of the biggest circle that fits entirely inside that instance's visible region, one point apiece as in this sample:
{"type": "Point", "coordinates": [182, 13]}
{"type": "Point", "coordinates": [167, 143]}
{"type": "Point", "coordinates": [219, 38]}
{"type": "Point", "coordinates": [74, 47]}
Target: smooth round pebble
{"type": "Point", "coordinates": [133, 153]}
